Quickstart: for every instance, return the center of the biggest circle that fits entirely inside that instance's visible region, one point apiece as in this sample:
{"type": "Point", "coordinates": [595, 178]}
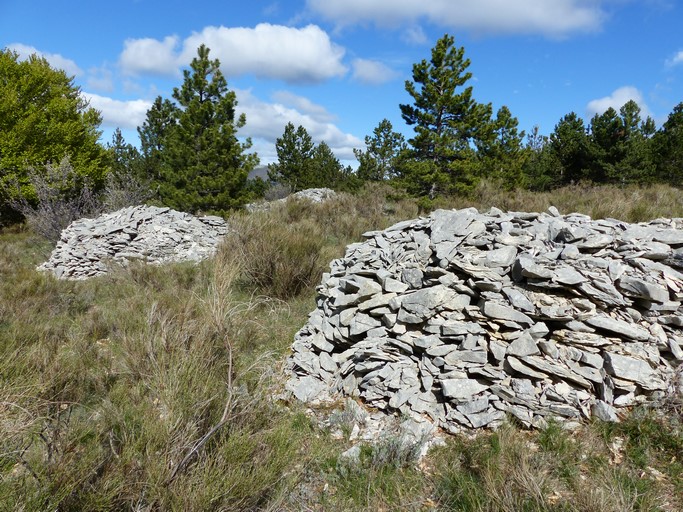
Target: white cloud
{"type": "Point", "coordinates": [616, 100]}
{"type": "Point", "coordinates": [414, 35]}
{"type": "Point", "coordinates": [372, 72]}
{"type": "Point", "coordinates": [100, 79]}
{"type": "Point", "coordinates": [56, 60]}
{"type": "Point", "coordinates": [304, 105]}
{"type": "Point", "coordinates": [117, 113]}
{"type": "Point", "coordinates": [555, 19]}
{"type": "Point", "coordinates": [296, 55]}
{"type": "Point", "coordinates": [676, 59]}
{"type": "Point", "coordinates": [266, 122]}
{"type": "Point", "coordinates": [150, 56]}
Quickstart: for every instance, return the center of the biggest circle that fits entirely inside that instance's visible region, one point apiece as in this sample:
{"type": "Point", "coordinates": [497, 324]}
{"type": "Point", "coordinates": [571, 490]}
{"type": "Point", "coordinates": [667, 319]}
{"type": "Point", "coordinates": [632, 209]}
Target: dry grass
{"type": "Point", "coordinates": [628, 203]}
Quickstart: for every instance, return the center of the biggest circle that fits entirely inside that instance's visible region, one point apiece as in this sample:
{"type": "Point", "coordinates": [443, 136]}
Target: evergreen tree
{"type": "Point", "coordinates": [607, 132]}
{"type": "Point", "coordinates": [124, 158]}
{"type": "Point", "coordinates": [447, 122]}
{"type": "Point", "coordinates": [43, 119]}
{"type": "Point", "coordinates": [668, 148]}
{"type": "Point", "coordinates": [379, 161]}
{"type": "Point", "coordinates": [161, 117]}
{"type": "Point", "coordinates": [571, 146]}
{"type": "Point", "coordinates": [501, 152]}
{"type": "Point", "coordinates": [637, 164]}
{"type": "Point", "coordinates": [204, 165]}
{"type": "Point", "coordinates": [327, 171]}
{"type": "Point", "coordinates": [621, 150]}
{"type": "Point", "coordinates": [295, 150]}
{"type": "Point", "coordinates": [542, 168]}
{"type": "Point", "coordinates": [127, 182]}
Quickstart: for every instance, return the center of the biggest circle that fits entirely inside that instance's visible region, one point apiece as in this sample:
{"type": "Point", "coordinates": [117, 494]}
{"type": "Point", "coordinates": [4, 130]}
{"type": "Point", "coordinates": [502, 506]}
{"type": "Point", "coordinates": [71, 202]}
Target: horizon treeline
{"type": "Point", "coordinates": [191, 159]}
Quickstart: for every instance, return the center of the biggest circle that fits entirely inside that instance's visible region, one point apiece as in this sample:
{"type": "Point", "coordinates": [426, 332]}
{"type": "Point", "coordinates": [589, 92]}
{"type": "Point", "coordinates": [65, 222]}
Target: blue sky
{"type": "Point", "coordinates": [338, 67]}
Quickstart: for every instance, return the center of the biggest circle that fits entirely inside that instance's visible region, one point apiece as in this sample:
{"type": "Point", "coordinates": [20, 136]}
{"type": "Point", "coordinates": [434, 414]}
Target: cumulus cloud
{"type": "Point", "coordinates": [676, 59]}
{"type": "Point", "coordinates": [56, 60]}
{"type": "Point", "coordinates": [616, 100]}
{"type": "Point", "coordinates": [116, 113]}
{"type": "Point", "coordinates": [372, 72]}
{"type": "Point", "coordinates": [295, 55]}
{"type": "Point", "coordinates": [149, 56]}
{"type": "Point", "coordinates": [304, 105]}
{"type": "Point", "coordinates": [266, 122]}
{"type": "Point", "coordinates": [557, 18]}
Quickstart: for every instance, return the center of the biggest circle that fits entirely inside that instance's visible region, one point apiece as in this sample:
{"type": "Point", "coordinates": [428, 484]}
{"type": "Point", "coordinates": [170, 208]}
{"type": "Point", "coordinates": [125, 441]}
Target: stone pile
{"type": "Point", "coordinates": [466, 317]}
{"type": "Point", "coordinates": [315, 195]}
{"type": "Point", "coordinates": [88, 247]}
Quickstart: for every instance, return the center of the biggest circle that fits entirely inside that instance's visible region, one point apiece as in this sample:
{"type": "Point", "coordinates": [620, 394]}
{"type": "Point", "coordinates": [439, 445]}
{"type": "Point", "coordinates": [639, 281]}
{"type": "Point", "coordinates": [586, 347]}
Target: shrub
{"type": "Point", "coordinates": [61, 196]}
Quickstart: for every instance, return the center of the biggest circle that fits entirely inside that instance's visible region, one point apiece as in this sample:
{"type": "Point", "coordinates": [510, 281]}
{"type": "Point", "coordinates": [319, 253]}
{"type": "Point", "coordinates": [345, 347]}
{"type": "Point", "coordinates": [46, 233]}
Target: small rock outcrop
{"type": "Point", "coordinates": [315, 195]}
{"type": "Point", "coordinates": [466, 317]}
{"type": "Point", "coordinates": [88, 247]}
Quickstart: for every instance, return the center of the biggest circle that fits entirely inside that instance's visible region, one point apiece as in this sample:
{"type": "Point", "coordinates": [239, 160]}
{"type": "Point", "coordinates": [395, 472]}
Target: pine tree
{"type": "Point", "coordinates": [160, 118]}
{"type": "Point", "coordinates": [327, 170]}
{"type": "Point", "coordinates": [447, 122]}
{"type": "Point", "coordinates": [542, 168]}
{"type": "Point", "coordinates": [379, 161]}
{"type": "Point", "coordinates": [204, 165]}
{"type": "Point", "coordinates": [668, 148]}
{"type": "Point", "coordinates": [502, 153]}
{"type": "Point", "coordinates": [571, 146]}
{"type": "Point", "coordinates": [127, 182]}
{"type": "Point", "coordinates": [621, 148]}
{"type": "Point", "coordinates": [295, 158]}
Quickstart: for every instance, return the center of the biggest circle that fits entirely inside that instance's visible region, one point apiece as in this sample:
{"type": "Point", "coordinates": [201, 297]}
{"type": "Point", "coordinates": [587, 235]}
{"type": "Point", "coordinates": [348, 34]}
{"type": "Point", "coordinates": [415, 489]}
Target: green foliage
{"type": "Point", "coordinates": [43, 118]}
{"type": "Point", "coordinates": [571, 146]}
{"type": "Point", "coordinates": [294, 159]}
{"type": "Point", "coordinates": [502, 152]}
{"type": "Point", "coordinates": [127, 182]}
{"type": "Point", "coordinates": [620, 146]}
{"type": "Point", "coordinates": [541, 165]}
{"type": "Point", "coordinates": [191, 148]}
{"type": "Point", "coordinates": [379, 161]}
{"type": "Point", "coordinates": [447, 122]}
{"type": "Point", "coordinates": [160, 119]}
{"type": "Point", "coordinates": [302, 164]}
{"type": "Point", "coordinates": [668, 144]}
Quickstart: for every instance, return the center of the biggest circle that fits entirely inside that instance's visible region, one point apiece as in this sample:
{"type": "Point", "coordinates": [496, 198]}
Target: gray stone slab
{"type": "Point", "coordinates": [626, 329]}
{"type": "Point", "coordinates": [461, 389]}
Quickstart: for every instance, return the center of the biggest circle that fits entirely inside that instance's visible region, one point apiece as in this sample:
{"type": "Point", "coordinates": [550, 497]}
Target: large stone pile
{"type": "Point", "coordinates": [465, 317]}
{"type": "Point", "coordinates": [88, 247]}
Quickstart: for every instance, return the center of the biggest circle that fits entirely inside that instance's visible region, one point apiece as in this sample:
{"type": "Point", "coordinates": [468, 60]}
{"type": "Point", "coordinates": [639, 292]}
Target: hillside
{"type": "Point", "coordinates": [161, 387]}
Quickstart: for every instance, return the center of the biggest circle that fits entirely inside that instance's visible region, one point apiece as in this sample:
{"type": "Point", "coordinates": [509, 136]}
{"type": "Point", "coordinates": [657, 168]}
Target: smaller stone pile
{"type": "Point", "coordinates": [88, 247]}
{"type": "Point", "coordinates": [315, 195]}
{"type": "Point", "coordinates": [466, 317]}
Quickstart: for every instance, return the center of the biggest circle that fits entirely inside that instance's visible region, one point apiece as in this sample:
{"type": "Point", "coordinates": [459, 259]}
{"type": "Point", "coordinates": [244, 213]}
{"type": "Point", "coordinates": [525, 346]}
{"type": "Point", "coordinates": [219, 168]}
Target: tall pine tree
{"type": "Point", "coordinates": [204, 166]}
{"type": "Point", "coordinates": [447, 123]}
